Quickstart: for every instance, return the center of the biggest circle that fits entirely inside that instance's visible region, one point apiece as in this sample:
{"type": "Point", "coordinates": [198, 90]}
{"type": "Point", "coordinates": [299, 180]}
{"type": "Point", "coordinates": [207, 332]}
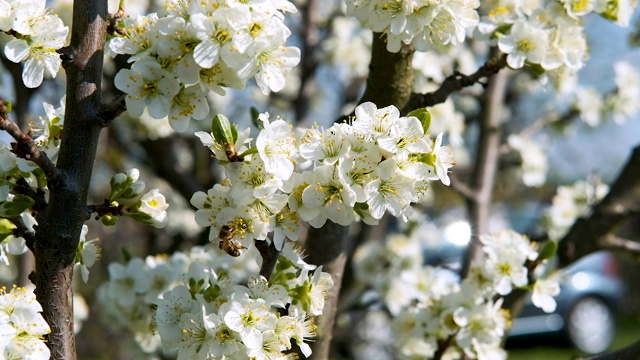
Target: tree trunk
{"type": "Point", "coordinates": [59, 225]}
{"type": "Point", "coordinates": [390, 82]}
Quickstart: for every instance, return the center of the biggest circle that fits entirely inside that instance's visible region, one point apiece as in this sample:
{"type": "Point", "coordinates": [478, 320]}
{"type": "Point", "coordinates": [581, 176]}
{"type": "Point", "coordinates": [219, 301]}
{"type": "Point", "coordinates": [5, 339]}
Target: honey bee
{"type": "Point", "coordinates": [231, 153]}
{"type": "Point", "coordinates": [226, 241]}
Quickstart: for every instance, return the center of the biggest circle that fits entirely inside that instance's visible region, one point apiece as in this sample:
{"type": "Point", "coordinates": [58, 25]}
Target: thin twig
{"type": "Point", "coordinates": [614, 242]}
{"type": "Point", "coordinates": [112, 21]}
{"type": "Point", "coordinates": [544, 120]}
{"type": "Point", "coordinates": [461, 188]}
{"type": "Point", "coordinates": [106, 208]}
{"type": "Point", "coordinates": [456, 82]}
{"type": "Point", "coordinates": [26, 148]}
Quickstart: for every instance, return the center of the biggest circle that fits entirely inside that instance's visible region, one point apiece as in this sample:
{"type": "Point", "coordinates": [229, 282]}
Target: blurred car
{"type": "Point", "coordinates": [590, 291]}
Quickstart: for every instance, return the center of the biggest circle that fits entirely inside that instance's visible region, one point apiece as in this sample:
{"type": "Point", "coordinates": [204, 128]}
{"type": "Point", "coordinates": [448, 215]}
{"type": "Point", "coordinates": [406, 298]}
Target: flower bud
{"type": "Point", "coordinates": [151, 209]}
{"type": "Point", "coordinates": [126, 185]}
{"type": "Point", "coordinates": [109, 220]}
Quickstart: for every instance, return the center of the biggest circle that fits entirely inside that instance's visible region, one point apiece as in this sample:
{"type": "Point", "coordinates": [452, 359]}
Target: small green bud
{"type": "Point", "coordinates": [133, 191]}
{"type": "Point", "coordinates": [126, 185]}
{"type": "Point", "coordinates": [118, 179]}
{"type": "Point", "coordinates": [611, 11]}
{"type": "Point", "coordinates": [109, 220]}
{"type": "Point", "coordinates": [424, 116]}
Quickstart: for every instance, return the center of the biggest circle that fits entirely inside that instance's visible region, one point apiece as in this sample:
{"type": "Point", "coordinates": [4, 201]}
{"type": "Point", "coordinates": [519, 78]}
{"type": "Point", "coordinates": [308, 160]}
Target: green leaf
{"type": "Point", "coordinates": [536, 69]}
{"type": "Point", "coordinates": [254, 117]}
{"type": "Point", "coordinates": [6, 228]}
{"type": "Point", "coordinates": [140, 217]}
{"type": "Point", "coordinates": [223, 132]}
{"type": "Point", "coordinates": [16, 206]}
{"type": "Point", "coordinates": [549, 250]}
{"type": "Point", "coordinates": [424, 116]}
{"type": "Point", "coordinates": [126, 255]}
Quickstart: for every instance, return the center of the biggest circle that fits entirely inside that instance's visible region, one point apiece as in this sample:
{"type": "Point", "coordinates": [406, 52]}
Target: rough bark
{"type": "Point", "coordinates": [327, 246]}
{"type": "Point", "coordinates": [59, 225]}
{"type": "Point", "coordinates": [390, 82]}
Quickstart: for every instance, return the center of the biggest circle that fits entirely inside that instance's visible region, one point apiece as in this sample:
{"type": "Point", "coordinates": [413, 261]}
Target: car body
{"type": "Point", "coordinates": [591, 291]}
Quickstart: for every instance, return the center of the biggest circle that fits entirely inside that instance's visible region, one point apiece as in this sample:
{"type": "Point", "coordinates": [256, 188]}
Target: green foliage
{"type": "Point", "coordinates": [424, 116]}
{"type": "Point", "coordinates": [549, 250]}
{"type": "Point", "coordinates": [224, 133]}
{"type": "Point", "coordinates": [16, 206]}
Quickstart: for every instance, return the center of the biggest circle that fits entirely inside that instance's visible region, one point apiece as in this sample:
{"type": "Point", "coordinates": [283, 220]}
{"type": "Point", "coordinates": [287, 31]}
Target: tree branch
{"type": "Point", "coordinates": [269, 255]}
{"type": "Point", "coordinates": [109, 111]}
{"type": "Point", "coordinates": [23, 187]}
{"type": "Point", "coordinates": [327, 246]}
{"type": "Point", "coordinates": [23, 231]}
{"type": "Point", "coordinates": [60, 224]}
{"type": "Point", "coordinates": [308, 62]}
{"type": "Point", "coordinates": [104, 209]}
{"type": "Point", "coordinates": [622, 201]}
{"type": "Point", "coordinates": [456, 82]}
{"type": "Point", "coordinates": [486, 164]}
{"type": "Point", "coordinates": [162, 158]}
{"type": "Point", "coordinates": [390, 82]}
{"type": "Point", "coordinates": [463, 189]}
{"type": "Point", "coordinates": [26, 148]}
{"type": "Point", "coordinates": [617, 243]}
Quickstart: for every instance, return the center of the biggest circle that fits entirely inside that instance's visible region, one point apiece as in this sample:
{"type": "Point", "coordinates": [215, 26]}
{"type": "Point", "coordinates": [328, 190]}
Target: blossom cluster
{"type": "Point", "coordinates": [13, 171]}
{"type": "Point", "coordinates": [193, 304]}
{"type": "Point", "coordinates": [37, 35]}
{"type": "Point", "coordinates": [46, 132]}
{"type": "Point", "coordinates": [549, 34]}
{"type": "Point", "coordinates": [533, 159]}
{"type": "Point", "coordinates": [22, 327]}
{"type": "Point", "coordinates": [430, 304]}
{"type": "Point", "coordinates": [424, 24]}
{"type": "Point", "coordinates": [127, 198]}
{"type": "Point", "coordinates": [378, 162]}
{"type": "Point", "coordinates": [619, 105]}
{"type": "Point", "coordinates": [572, 202]}
{"type": "Point", "coordinates": [192, 47]}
